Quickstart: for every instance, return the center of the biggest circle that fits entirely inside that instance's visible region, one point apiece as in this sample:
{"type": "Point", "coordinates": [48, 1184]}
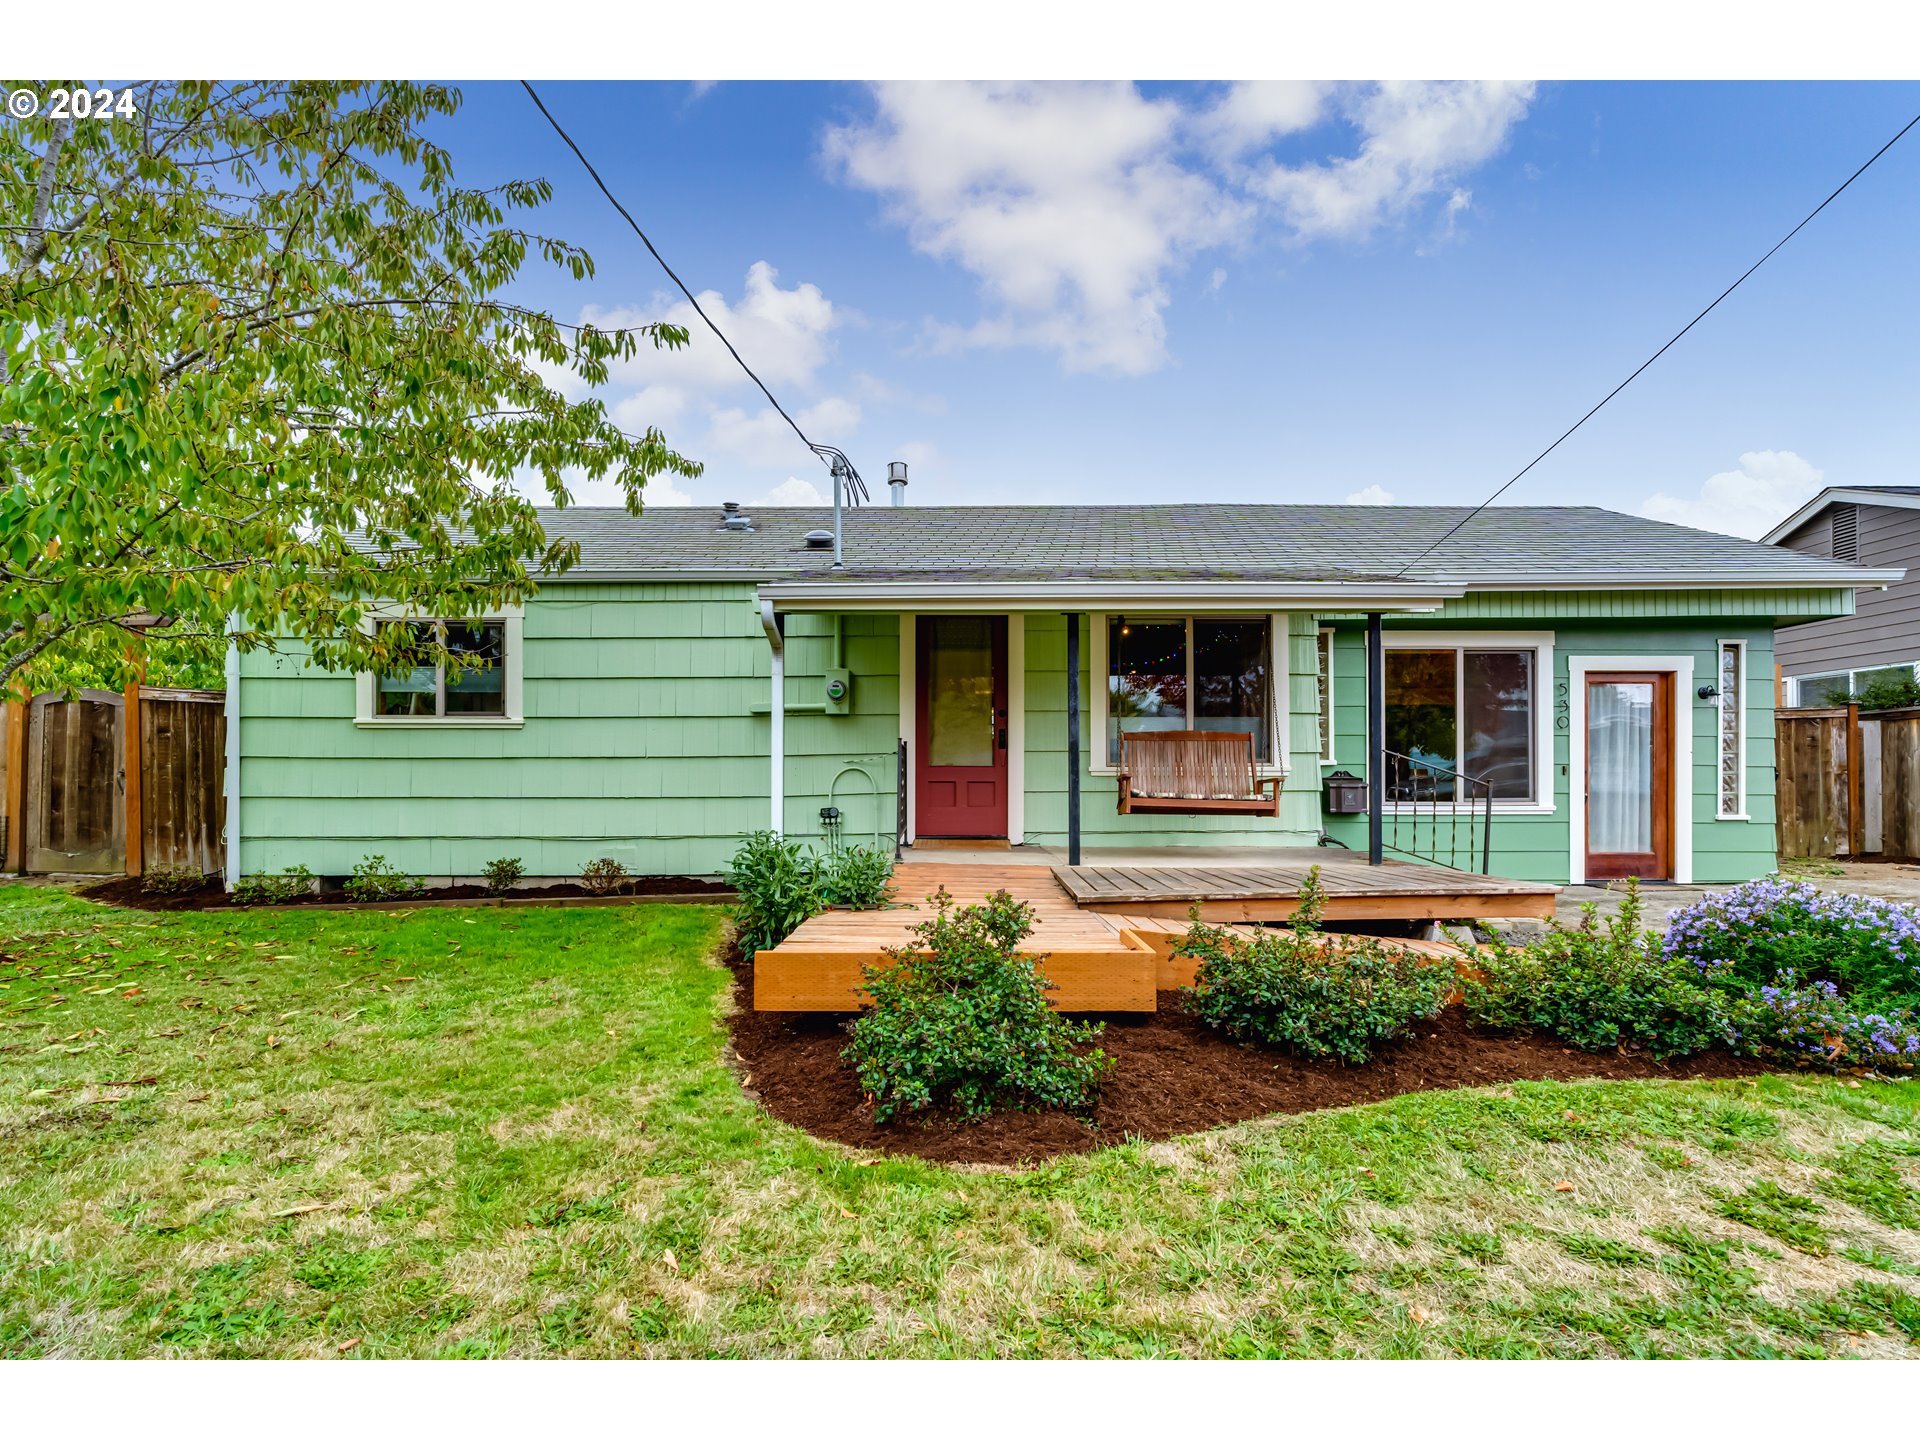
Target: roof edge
{"type": "Point", "coordinates": [1838, 495]}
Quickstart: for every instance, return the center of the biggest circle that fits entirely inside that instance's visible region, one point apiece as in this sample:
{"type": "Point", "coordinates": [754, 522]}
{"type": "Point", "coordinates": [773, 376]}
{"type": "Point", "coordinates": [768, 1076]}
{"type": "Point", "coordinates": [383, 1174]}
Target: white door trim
{"type": "Point", "coordinates": [1681, 668]}
{"type": "Point", "coordinates": [1016, 727]}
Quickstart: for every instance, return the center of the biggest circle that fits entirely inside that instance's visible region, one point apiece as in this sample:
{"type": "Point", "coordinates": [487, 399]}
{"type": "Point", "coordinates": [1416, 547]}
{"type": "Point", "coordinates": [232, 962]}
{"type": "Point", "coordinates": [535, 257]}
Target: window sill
{"type": "Point", "coordinates": [409, 722]}
{"type": "Point", "coordinates": [1742, 817]}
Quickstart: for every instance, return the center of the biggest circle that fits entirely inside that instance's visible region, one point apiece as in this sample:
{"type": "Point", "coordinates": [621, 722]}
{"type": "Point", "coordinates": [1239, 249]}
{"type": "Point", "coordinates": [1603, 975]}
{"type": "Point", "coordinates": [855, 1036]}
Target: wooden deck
{"type": "Point", "coordinates": [1107, 933]}
{"type": "Point", "coordinates": [1355, 890]}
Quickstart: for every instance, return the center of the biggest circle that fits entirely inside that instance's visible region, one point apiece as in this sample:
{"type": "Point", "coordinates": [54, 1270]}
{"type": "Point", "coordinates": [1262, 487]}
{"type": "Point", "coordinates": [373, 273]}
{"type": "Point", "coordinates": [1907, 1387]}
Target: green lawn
{"type": "Point", "coordinates": [458, 1132]}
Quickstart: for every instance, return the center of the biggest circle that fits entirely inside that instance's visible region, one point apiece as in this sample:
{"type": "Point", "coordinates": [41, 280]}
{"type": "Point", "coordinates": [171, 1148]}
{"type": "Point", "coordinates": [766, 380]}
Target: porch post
{"type": "Point", "coordinates": [1073, 739]}
{"type": "Point", "coordinates": [777, 745]}
{"type": "Point", "coordinates": [1376, 740]}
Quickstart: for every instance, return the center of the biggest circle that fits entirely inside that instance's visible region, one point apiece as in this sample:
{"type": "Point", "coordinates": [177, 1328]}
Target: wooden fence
{"type": "Point", "coordinates": [1849, 784]}
{"type": "Point", "coordinates": [66, 804]}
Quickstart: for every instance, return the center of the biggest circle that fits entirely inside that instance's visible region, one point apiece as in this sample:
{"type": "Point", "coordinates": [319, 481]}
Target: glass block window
{"type": "Point", "coordinates": [1733, 758]}
{"type": "Point", "coordinates": [1323, 686]}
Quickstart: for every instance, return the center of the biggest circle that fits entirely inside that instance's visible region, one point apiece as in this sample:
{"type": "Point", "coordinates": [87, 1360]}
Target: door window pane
{"type": "Point", "coordinates": [959, 681]}
{"type": "Point", "coordinates": [1497, 721]}
{"type": "Point", "coordinates": [1146, 679]}
{"type": "Point", "coordinates": [477, 691]}
{"type": "Point", "coordinates": [1232, 665]}
{"type": "Point", "coordinates": [1620, 768]}
{"type": "Point", "coordinates": [410, 691]}
{"type": "Point", "coordinates": [1422, 690]}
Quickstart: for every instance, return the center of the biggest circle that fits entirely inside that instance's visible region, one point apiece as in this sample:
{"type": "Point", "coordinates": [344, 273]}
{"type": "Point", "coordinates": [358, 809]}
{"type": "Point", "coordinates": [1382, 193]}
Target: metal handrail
{"type": "Point", "coordinates": [1449, 800]}
{"type": "Point", "coordinates": [900, 804]}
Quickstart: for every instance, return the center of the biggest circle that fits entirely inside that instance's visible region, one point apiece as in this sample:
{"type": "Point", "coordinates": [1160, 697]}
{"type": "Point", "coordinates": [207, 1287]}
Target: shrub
{"type": "Point", "coordinates": [1808, 1022]}
{"type": "Point", "coordinates": [960, 1018]}
{"type": "Point", "coordinates": [374, 879]}
{"type": "Point", "coordinates": [502, 874]}
{"type": "Point", "coordinates": [1747, 936]}
{"type": "Point", "coordinates": [1598, 988]}
{"type": "Point", "coordinates": [1324, 996]}
{"type": "Point", "coordinates": [779, 886]}
{"type": "Point", "coordinates": [171, 880]}
{"type": "Point", "coordinates": [604, 876]}
{"type": "Point", "coordinates": [859, 877]}
{"type": "Point", "coordinates": [290, 884]}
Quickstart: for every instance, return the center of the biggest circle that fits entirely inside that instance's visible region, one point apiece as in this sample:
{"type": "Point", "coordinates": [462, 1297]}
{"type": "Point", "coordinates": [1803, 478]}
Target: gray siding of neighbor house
{"type": "Point", "coordinates": [1885, 626]}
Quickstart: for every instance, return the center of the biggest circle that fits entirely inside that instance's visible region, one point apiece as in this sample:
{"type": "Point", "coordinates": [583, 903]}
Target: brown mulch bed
{"type": "Point", "coordinates": [1173, 1076]}
{"type": "Point", "coordinates": [210, 894]}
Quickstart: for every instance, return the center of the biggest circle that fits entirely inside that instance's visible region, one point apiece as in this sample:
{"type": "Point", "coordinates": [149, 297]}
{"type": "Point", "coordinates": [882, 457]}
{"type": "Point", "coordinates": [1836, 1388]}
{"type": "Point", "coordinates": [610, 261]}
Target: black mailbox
{"type": "Point", "coordinates": [1345, 794]}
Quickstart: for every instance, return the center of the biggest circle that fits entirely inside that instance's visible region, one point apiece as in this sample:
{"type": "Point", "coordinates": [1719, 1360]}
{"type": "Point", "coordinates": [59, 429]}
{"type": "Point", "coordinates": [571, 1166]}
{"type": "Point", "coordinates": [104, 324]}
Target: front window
{"type": "Point", "coordinates": [1190, 674]}
{"type": "Point", "coordinates": [1471, 711]}
{"type": "Point", "coordinates": [473, 682]}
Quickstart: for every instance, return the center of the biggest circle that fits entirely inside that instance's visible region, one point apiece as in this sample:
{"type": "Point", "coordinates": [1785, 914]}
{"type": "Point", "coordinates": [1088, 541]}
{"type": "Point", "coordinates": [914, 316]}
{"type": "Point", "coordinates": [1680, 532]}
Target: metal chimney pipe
{"type": "Point", "coordinates": [897, 481]}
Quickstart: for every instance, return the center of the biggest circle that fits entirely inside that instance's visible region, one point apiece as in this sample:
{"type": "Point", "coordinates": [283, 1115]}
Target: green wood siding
{"type": "Point", "coordinates": [640, 743]}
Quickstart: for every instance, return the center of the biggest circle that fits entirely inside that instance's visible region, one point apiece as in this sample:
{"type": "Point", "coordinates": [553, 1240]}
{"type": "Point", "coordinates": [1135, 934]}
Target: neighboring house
{"type": "Point", "coordinates": [697, 676]}
{"type": "Point", "coordinates": [1874, 525]}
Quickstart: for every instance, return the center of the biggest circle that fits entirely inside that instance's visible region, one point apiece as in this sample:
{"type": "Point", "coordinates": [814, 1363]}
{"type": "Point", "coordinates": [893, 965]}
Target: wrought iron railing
{"type": "Point", "coordinates": [1437, 813]}
{"type": "Point", "coordinates": [900, 803]}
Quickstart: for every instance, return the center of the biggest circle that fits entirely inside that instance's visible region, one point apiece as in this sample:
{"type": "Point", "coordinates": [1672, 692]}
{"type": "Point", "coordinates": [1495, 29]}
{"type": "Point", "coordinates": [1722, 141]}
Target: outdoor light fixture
{"type": "Point", "coordinates": [1707, 692]}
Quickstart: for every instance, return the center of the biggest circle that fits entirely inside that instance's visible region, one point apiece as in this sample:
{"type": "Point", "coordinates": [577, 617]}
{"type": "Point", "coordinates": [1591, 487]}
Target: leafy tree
{"type": "Point", "coordinates": [256, 369]}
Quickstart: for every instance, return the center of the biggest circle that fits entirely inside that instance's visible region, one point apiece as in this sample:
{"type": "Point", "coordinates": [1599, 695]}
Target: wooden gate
{"type": "Point", "coordinates": [76, 786]}
{"type": "Point", "coordinates": [1899, 786]}
{"type": "Point", "coordinates": [183, 747]}
{"type": "Point", "coordinates": [1819, 781]}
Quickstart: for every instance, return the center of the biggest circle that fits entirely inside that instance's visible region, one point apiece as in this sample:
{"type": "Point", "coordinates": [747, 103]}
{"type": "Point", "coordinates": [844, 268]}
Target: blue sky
{"type": "Point", "coordinates": [1139, 293]}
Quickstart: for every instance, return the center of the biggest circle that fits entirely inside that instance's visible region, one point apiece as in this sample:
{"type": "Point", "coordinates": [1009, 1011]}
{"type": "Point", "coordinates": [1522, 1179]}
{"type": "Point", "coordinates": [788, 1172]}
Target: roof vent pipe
{"type": "Point", "coordinates": [897, 481]}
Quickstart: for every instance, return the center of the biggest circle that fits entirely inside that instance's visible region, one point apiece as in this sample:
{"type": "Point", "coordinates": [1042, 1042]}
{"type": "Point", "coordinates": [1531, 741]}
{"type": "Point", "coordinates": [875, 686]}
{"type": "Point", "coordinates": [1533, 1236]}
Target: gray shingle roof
{"type": "Point", "coordinates": [1502, 545]}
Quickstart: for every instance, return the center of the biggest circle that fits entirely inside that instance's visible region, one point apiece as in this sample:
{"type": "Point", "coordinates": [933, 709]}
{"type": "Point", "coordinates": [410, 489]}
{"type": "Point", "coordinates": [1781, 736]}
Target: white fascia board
{"type": "Point", "coordinates": [1145, 595]}
{"type": "Point", "coordinates": [1839, 495]}
{"type": "Point", "coordinates": [1841, 577]}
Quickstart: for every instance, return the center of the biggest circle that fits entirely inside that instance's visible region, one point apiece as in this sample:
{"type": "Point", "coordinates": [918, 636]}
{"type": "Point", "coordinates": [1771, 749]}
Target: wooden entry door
{"type": "Point", "coordinates": [76, 785]}
{"type": "Point", "coordinates": [962, 765]}
{"type": "Point", "coordinates": [1629, 779]}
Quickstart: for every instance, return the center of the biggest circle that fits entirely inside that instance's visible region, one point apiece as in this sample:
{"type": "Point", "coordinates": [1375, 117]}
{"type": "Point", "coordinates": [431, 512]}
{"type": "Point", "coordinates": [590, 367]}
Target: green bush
{"type": "Point", "coordinates": [374, 879]}
{"type": "Point", "coordinates": [779, 886]}
{"type": "Point", "coordinates": [171, 880]}
{"type": "Point", "coordinates": [502, 874]}
{"type": "Point", "coordinates": [290, 884]}
{"type": "Point", "coordinates": [1324, 996]}
{"type": "Point", "coordinates": [605, 876]}
{"type": "Point", "coordinates": [1598, 987]}
{"type": "Point", "coordinates": [859, 877]}
{"type": "Point", "coordinates": [1748, 936]}
{"type": "Point", "coordinates": [960, 1019]}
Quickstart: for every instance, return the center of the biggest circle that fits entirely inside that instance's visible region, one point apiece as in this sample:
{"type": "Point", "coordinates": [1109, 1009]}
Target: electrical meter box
{"type": "Point", "coordinates": [839, 692]}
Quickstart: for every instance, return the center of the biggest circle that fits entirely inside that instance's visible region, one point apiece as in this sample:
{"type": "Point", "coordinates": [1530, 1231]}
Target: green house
{"type": "Point", "coordinates": [1562, 693]}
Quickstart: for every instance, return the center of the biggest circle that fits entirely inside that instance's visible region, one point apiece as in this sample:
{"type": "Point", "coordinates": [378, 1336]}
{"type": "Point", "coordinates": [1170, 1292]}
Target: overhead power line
{"type": "Point", "coordinates": [832, 457]}
{"type": "Point", "coordinates": [1658, 353]}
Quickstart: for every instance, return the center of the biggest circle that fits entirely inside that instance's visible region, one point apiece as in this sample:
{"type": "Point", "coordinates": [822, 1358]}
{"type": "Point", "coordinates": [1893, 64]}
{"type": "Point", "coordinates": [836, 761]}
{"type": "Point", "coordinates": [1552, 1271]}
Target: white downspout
{"type": "Point", "coordinates": [230, 863]}
{"type": "Point", "coordinates": [777, 783]}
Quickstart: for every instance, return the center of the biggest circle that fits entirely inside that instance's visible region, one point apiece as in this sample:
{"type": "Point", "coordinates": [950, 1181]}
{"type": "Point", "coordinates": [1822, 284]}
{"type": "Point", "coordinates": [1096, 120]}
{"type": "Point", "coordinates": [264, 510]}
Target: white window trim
{"type": "Point", "coordinates": [1544, 800]}
{"type": "Point", "coordinates": [1280, 669]}
{"type": "Point", "coordinates": [510, 619]}
{"type": "Point", "coordinates": [1739, 812]}
{"type": "Point", "coordinates": [1681, 668]}
{"type": "Point", "coordinates": [1331, 637]}
{"type": "Point", "coordinates": [1794, 682]}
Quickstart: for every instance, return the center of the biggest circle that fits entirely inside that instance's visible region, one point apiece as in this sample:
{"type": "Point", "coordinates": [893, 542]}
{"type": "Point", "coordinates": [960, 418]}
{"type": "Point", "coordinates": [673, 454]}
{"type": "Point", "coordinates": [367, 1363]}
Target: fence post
{"type": "Point", "coordinates": [130, 776]}
{"type": "Point", "coordinates": [1856, 791]}
{"type": "Point", "coordinates": [13, 802]}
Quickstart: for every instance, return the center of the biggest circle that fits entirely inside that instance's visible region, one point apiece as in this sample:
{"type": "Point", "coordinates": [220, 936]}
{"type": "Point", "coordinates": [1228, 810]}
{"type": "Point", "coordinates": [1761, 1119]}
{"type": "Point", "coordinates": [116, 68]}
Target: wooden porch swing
{"type": "Point", "coordinates": [1194, 772]}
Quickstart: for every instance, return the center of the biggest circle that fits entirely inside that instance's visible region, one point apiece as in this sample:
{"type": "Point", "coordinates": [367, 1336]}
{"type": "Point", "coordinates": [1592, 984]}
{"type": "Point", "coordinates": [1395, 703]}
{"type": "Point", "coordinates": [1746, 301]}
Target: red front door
{"type": "Point", "coordinates": [962, 765]}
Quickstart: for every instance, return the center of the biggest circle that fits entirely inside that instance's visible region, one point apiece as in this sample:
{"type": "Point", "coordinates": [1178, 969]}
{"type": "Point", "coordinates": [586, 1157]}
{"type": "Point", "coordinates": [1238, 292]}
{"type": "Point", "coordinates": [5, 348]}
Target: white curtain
{"type": "Point", "coordinates": [1620, 769]}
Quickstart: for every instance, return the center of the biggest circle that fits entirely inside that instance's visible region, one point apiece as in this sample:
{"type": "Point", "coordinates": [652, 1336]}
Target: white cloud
{"type": "Point", "coordinates": [1418, 137]}
{"type": "Point", "coordinates": [1066, 201]}
{"type": "Point", "coordinates": [1372, 495]}
{"type": "Point", "coordinates": [1769, 486]}
{"type": "Point", "coordinates": [1074, 204]}
{"type": "Point", "coordinates": [795, 491]}
{"type": "Point", "coordinates": [758, 437]}
{"type": "Point", "coordinates": [783, 335]}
